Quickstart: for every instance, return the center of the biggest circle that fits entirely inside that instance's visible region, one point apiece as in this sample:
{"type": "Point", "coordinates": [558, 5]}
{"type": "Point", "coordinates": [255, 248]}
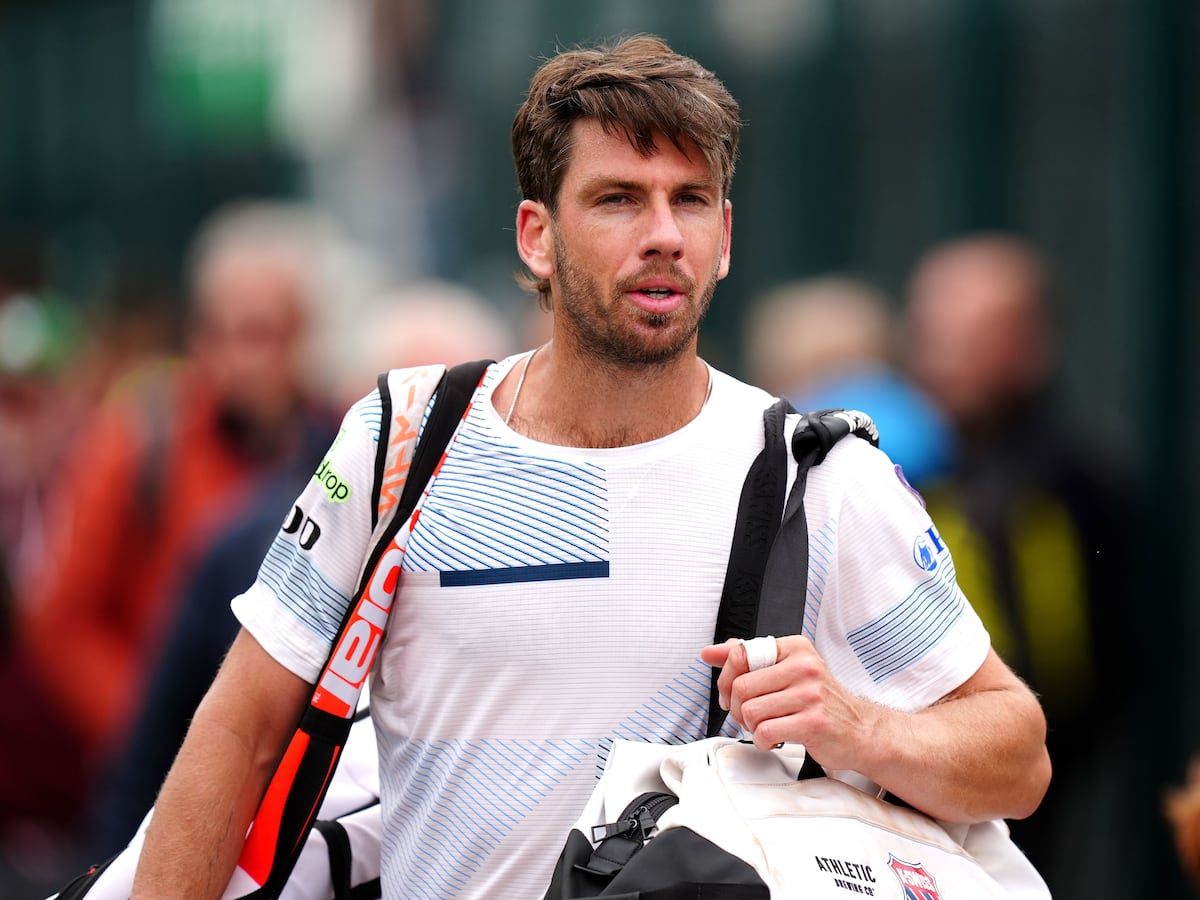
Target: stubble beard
{"type": "Point", "coordinates": [607, 340]}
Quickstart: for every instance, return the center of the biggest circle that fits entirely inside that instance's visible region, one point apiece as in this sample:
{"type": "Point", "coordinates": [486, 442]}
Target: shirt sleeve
{"type": "Point", "coordinates": [883, 600]}
{"type": "Point", "coordinates": [312, 568]}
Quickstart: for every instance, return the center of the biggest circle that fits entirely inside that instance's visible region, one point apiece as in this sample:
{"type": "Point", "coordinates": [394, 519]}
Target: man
{"type": "Point", "coordinates": [164, 457]}
{"type": "Point", "coordinates": [567, 563]}
{"type": "Point", "coordinates": [156, 465]}
{"type": "Point", "coordinates": [443, 321]}
{"type": "Point", "coordinates": [1034, 508]}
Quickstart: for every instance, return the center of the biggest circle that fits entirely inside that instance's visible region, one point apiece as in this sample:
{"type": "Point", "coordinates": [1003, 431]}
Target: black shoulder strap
{"type": "Point", "coordinates": [450, 399]}
{"type": "Point", "coordinates": [381, 449]}
{"type": "Point", "coordinates": [767, 576]}
{"type": "Point", "coordinates": [753, 534]}
{"type": "Point", "coordinates": [785, 581]}
{"type": "Point", "coordinates": [321, 735]}
{"type": "Point", "coordinates": [450, 402]}
{"type": "Point", "coordinates": [337, 844]}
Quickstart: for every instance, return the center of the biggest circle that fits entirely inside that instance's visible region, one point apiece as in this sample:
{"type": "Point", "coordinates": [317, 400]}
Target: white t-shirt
{"type": "Point", "coordinates": [556, 598]}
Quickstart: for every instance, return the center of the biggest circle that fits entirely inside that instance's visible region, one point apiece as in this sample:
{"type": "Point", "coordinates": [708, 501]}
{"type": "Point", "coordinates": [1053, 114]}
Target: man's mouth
{"type": "Point", "coordinates": [657, 301]}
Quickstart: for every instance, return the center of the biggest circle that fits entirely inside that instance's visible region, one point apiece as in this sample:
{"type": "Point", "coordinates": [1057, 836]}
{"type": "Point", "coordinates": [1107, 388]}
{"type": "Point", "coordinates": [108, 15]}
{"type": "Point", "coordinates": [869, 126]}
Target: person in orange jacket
{"type": "Point", "coordinates": [158, 465]}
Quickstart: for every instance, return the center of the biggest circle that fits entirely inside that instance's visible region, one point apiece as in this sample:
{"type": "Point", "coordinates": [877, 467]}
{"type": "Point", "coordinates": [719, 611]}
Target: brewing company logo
{"type": "Point", "coordinates": [916, 882]}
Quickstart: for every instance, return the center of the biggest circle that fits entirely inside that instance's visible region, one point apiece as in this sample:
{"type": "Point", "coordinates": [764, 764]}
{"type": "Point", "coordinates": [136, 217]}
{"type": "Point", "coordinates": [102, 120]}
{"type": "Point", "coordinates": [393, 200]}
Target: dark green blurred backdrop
{"type": "Point", "coordinates": [873, 129]}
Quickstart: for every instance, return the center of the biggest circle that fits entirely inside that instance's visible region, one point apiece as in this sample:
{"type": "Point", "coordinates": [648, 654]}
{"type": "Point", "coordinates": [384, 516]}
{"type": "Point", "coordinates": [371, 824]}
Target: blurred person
{"type": "Point", "coordinates": [358, 101]}
{"type": "Point", "coordinates": [58, 354]}
{"type": "Point", "coordinates": [38, 337]}
{"type": "Point", "coordinates": [58, 358]}
{"type": "Point", "coordinates": [1036, 516]}
{"type": "Point", "coordinates": [418, 323]}
{"type": "Point", "coordinates": [830, 342]}
{"type": "Point", "coordinates": [1181, 806]}
{"type": "Point", "coordinates": [42, 342]}
{"type": "Point", "coordinates": [566, 529]}
{"type": "Point", "coordinates": [172, 448]}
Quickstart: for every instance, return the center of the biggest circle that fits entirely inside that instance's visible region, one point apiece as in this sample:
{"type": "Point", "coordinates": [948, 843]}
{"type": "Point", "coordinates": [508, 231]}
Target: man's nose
{"type": "Point", "coordinates": [663, 235]}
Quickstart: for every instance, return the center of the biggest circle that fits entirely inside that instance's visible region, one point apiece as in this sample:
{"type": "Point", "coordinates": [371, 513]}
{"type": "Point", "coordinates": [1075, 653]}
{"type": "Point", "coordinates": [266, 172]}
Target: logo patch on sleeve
{"type": "Point", "coordinates": [927, 547]}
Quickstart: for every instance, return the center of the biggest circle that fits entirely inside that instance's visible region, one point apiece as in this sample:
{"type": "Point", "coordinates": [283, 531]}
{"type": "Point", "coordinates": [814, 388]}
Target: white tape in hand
{"type": "Point", "coordinates": [761, 652]}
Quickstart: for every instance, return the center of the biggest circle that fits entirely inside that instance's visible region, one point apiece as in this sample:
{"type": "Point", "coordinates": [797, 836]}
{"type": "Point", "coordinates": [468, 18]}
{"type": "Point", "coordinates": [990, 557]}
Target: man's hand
{"type": "Point", "coordinates": [796, 700]}
{"type": "Point", "coordinates": [978, 753]}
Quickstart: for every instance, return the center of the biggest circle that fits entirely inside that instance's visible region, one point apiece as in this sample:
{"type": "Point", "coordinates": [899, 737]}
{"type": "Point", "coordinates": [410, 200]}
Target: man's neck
{"type": "Point", "coordinates": [567, 402]}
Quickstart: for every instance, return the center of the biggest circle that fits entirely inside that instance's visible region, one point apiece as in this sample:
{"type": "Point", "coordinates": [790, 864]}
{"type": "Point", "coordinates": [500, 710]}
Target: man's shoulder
{"type": "Point", "coordinates": [728, 388]}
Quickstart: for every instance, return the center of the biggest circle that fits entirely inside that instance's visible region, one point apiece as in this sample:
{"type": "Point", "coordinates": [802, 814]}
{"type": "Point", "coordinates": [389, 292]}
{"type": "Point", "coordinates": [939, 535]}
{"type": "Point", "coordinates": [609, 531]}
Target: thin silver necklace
{"type": "Point", "coordinates": [525, 368]}
{"type": "Point", "coordinates": [520, 383]}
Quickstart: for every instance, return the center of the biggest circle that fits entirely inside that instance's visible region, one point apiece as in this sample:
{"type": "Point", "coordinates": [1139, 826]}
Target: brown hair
{"type": "Point", "coordinates": [638, 86]}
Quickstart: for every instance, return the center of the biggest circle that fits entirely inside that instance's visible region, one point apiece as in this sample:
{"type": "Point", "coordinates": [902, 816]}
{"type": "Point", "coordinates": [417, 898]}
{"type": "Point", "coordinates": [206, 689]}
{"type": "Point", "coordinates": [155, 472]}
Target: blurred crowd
{"type": "Point", "coordinates": [150, 459]}
{"type": "Point", "coordinates": [154, 437]}
{"type": "Point", "coordinates": [961, 375]}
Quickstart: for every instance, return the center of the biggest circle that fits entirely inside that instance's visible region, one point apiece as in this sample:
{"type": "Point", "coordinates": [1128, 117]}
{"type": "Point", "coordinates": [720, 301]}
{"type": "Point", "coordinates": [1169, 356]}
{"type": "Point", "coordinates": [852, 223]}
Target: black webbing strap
{"type": "Point", "coordinates": [451, 401]}
{"type": "Point", "coordinates": [326, 732]}
{"type": "Point", "coordinates": [381, 449]}
{"type": "Point", "coordinates": [767, 577]}
{"type": "Point", "coordinates": [785, 581]}
{"type": "Point", "coordinates": [337, 842]}
{"type": "Point", "coordinates": [753, 534]}
{"type": "Point", "coordinates": [341, 857]}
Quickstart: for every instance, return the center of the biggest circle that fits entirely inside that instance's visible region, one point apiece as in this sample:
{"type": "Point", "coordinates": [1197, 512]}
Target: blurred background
{"type": "Point", "coordinates": [876, 131]}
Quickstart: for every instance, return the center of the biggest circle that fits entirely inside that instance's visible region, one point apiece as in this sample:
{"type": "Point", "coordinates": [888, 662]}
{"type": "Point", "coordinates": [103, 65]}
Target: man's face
{"type": "Point", "coordinates": [638, 245]}
{"type": "Point", "coordinates": [250, 337]}
{"type": "Point", "coordinates": [973, 338]}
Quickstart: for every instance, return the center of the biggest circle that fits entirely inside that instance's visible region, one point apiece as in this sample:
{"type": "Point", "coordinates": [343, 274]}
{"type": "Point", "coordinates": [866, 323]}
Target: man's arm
{"type": "Point", "coordinates": [213, 789]}
{"type": "Point", "coordinates": [979, 753]}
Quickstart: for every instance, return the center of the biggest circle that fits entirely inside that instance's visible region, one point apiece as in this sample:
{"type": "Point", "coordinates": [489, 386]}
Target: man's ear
{"type": "Point", "coordinates": [534, 238]}
{"type": "Point", "coordinates": [723, 266]}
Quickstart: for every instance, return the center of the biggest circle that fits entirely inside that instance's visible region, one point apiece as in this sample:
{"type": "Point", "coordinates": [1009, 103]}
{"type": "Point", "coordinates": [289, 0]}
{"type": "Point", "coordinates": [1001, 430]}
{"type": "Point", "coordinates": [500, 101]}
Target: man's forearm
{"type": "Point", "coordinates": [967, 759]}
{"type": "Point", "coordinates": [200, 818]}
{"type": "Point", "coordinates": [214, 787]}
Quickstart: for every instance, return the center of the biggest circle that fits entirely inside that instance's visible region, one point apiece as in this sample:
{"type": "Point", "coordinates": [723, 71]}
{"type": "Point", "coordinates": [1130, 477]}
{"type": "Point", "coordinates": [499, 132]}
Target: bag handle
{"type": "Point", "coordinates": [766, 581]}
{"type": "Point", "coordinates": [785, 581]}
{"type": "Point", "coordinates": [787, 568]}
{"type": "Point", "coordinates": [293, 798]}
{"type": "Point", "coordinates": [754, 533]}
